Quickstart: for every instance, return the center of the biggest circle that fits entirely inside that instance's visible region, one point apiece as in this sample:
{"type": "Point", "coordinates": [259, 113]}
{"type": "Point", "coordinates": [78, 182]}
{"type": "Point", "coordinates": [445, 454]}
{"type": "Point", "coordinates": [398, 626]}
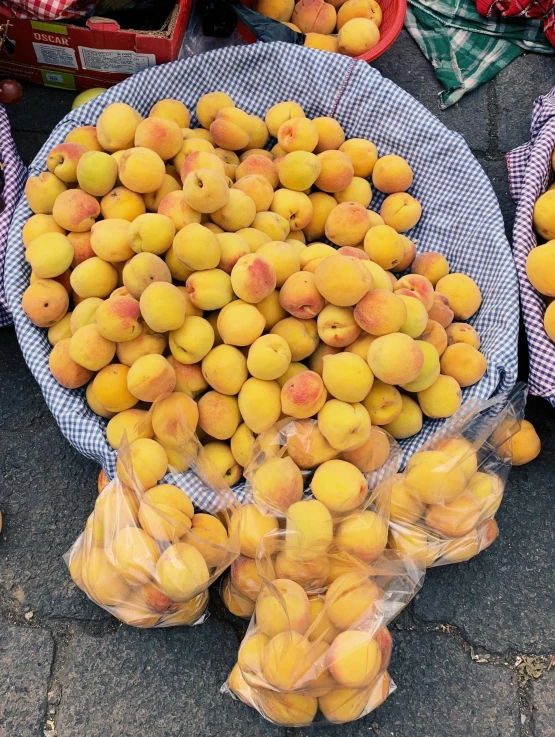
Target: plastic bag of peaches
{"type": "Point", "coordinates": [146, 555]}
{"type": "Point", "coordinates": [443, 505]}
{"type": "Point", "coordinates": [318, 652]}
{"type": "Point", "coordinates": [296, 480]}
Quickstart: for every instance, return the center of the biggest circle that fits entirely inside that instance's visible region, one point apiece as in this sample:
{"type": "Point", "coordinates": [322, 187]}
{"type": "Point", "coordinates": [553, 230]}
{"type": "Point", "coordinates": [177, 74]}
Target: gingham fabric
{"type": "Point", "coordinates": [14, 174]}
{"type": "Point", "coordinates": [465, 48]}
{"type": "Point", "coordinates": [529, 175]}
{"type": "Point", "coordinates": [49, 9]}
{"type": "Point", "coordinates": [461, 214]}
{"type": "Point", "coordinates": [543, 10]}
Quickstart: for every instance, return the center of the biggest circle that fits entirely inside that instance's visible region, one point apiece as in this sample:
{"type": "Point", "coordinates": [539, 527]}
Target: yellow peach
{"type": "Point", "coordinates": [384, 246]}
{"type": "Point", "coordinates": [351, 597]}
{"type": "Point", "coordinates": [392, 174]}
{"type": "Point", "coordinates": [441, 399]}
{"type": "Point", "coordinates": [344, 425]}
{"type": "Point", "coordinates": [380, 312]}
{"type": "Point", "coordinates": [395, 358]}
{"type": "Point", "coordinates": [210, 289]}
{"type": "Point", "coordinates": [464, 363]}
{"type": "Point", "coordinates": [463, 294]}
{"type": "Point", "coordinates": [277, 484]}
{"type": "Point", "coordinates": [43, 191]}
{"type": "Point", "coordinates": [359, 190]}
{"type": "Point", "coordinates": [337, 171]}
{"type": "Point", "coordinates": [259, 404]}
{"type": "Point", "coordinates": [116, 126]}
{"type": "Point", "coordinates": [224, 368]}
{"type": "Point", "coordinates": [363, 155]}
{"type": "Point", "coordinates": [163, 307]}
{"type": "Point", "coordinates": [122, 203]}
{"type": "Point", "coordinates": [219, 415]}
{"type": "Point", "coordinates": [347, 377]}
{"type": "Point", "coordinates": [141, 170]}
{"type": "Point", "coordinates": [524, 445]}
{"type": "Point", "coordinates": [75, 210]}
{"type": "Point", "coordinates": [408, 422]}
{"type": "Point", "coordinates": [309, 530]}
{"type": "Point", "coordinates": [357, 36]}
{"type": "Point", "coordinates": [170, 109]}
{"type": "Point", "coordinates": [401, 211]}
{"type": "Point", "coordinates": [149, 377]}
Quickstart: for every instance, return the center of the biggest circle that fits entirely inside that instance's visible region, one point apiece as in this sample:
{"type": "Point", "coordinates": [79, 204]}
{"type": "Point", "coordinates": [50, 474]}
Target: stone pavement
{"type": "Point", "coordinates": [468, 651]}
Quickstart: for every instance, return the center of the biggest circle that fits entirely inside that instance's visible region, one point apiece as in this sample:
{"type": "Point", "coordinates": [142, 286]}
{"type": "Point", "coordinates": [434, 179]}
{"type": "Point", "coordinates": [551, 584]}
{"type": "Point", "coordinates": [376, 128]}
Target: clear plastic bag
{"type": "Point", "coordinates": [443, 505]}
{"type": "Point", "coordinates": [146, 555]}
{"type": "Point", "coordinates": [318, 652]}
{"type": "Point", "coordinates": [296, 480]}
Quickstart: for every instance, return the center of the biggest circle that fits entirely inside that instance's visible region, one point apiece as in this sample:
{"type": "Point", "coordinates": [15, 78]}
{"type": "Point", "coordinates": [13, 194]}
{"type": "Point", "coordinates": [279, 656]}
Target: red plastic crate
{"type": "Point", "coordinates": [393, 17]}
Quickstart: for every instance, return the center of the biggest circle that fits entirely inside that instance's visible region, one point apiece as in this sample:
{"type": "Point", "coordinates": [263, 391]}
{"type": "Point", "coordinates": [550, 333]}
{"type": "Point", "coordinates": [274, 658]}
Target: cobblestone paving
{"type": "Point", "coordinates": [473, 654]}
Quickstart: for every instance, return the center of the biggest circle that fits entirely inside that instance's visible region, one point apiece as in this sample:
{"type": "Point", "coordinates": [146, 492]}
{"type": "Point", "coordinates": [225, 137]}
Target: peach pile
{"type": "Point", "coordinates": [541, 259]}
{"type": "Point", "coordinates": [147, 556]}
{"type": "Point", "coordinates": [443, 505]}
{"type": "Point", "coordinates": [350, 27]}
{"type": "Point", "coordinates": [318, 642]}
{"type": "Point", "coordinates": [190, 262]}
{"type": "Point", "coordinates": [342, 515]}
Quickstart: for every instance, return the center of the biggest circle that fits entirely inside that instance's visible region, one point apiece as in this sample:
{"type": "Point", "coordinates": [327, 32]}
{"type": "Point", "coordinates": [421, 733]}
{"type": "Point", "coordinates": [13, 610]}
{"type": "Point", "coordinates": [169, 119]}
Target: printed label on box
{"type": "Point", "coordinates": [118, 62]}
{"type": "Point", "coordinates": [55, 56]}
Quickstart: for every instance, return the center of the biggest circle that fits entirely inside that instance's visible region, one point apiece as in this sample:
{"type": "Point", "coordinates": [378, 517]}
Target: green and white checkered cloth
{"type": "Point", "coordinates": [465, 48]}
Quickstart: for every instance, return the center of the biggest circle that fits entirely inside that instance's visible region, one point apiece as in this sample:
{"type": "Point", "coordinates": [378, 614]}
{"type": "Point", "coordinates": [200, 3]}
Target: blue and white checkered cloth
{"type": "Point", "coordinates": [461, 214]}
{"type": "Point", "coordinates": [14, 175]}
{"type": "Point", "coordinates": [529, 174]}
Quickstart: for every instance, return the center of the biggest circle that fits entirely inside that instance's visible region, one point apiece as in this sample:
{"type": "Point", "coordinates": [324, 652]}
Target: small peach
{"type": "Point", "coordinates": [440, 311]}
{"type": "Point", "coordinates": [122, 203]}
{"type": "Point", "coordinates": [75, 210]}
{"type": "Point", "coordinates": [209, 289]}
{"type": "Point", "coordinates": [300, 335]}
{"type": "Point", "coordinates": [303, 395]}
{"type": "Point", "coordinates": [417, 286]}
{"type": "Point", "coordinates": [63, 159]}
{"type": "Point", "coordinates": [384, 246]}
{"type": "Point", "coordinates": [149, 377]}
{"type": "Point", "coordinates": [337, 326]}
{"type": "Point", "coordinates": [357, 36]}
{"type": "Point", "coordinates": [337, 171]}
{"type": "Point", "coordinates": [363, 155]}
{"type": "Point", "coordinates": [322, 205]}
{"type": "Point", "coordinates": [432, 265]}
{"type": "Point", "coordinates": [219, 415]}
{"type": "Point", "coordinates": [380, 312]}
{"type": "Point", "coordinates": [259, 404]}
{"type": "Point", "coordinates": [300, 297]}
{"type": "Point", "coordinates": [43, 191]}
{"type": "Point", "coordinates": [372, 454]}
{"type": "Point", "coordinates": [463, 294]}
{"type": "Point", "coordinates": [464, 363]}
{"type": "Point", "coordinates": [174, 205]}
{"type": "Point", "coordinates": [360, 191]}
{"type": "Point", "coordinates": [232, 129]}
{"type": "Point", "coordinates": [395, 358]}
{"type": "Point", "coordinates": [141, 170]}
{"type": "Point", "coordinates": [441, 399]}
{"type": "Point", "coordinates": [392, 174]}
{"type": "Point", "coordinates": [460, 332]}
{"type": "Point", "coordinates": [435, 334]}
{"type": "Point", "coordinates": [401, 211]}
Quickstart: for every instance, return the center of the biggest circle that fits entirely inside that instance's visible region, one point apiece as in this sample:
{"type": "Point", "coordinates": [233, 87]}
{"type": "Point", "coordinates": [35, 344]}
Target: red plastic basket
{"type": "Point", "coordinates": [393, 17]}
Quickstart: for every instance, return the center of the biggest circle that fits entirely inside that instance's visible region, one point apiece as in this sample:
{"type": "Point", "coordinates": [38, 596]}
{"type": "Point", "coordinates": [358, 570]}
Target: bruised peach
{"type": "Point", "coordinates": [460, 332]}
{"type": "Point", "coordinates": [435, 334]}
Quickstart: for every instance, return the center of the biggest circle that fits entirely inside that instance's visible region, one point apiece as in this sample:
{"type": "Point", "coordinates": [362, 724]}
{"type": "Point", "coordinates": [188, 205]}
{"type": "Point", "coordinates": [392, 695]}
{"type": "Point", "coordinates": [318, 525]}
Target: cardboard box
{"type": "Point", "coordinates": [99, 54]}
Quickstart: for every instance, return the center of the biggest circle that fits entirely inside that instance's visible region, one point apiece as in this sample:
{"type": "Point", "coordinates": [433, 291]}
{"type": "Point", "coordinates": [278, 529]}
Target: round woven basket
{"type": "Point", "coordinates": [461, 215]}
